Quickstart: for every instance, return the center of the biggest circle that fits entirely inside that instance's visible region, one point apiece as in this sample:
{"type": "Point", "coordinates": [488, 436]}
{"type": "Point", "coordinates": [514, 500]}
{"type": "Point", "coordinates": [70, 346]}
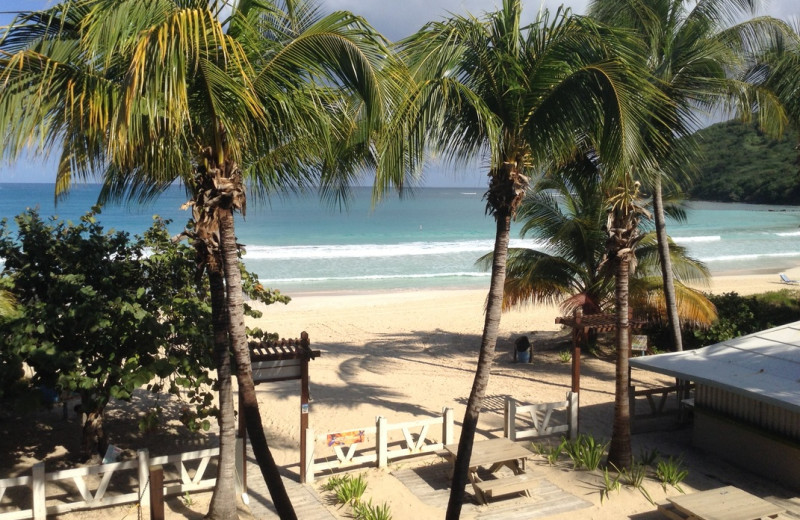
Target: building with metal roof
{"type": "Point", "coordinates": [747, 398]}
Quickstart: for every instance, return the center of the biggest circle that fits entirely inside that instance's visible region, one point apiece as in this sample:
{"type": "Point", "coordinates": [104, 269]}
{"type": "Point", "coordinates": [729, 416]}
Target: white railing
{"type": "Point", "coordinates": [88, 487]}
{"type": "Point", "coordinates": [351, 448]}
{"type": "Point", "coordinates": [538, 418]}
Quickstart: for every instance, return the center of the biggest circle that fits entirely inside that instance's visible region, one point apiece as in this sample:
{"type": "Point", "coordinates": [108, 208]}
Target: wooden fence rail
{"type": "Point", "coordinates": [537, 418]}
{"type": "Point", "coordinates": [350, 447]}
{"type": "Point", "coordinates": [89, 487]}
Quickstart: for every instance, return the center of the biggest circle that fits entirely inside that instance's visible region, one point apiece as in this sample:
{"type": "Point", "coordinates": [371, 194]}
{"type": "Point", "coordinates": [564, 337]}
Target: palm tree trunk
{"type": "Point", "coordinates": [487, 354]}
{"type": "Point", "coordinates": [224, 500]}
{"type": "Point", "coordinates": [666, 266]}
{"type": "Point", "coordinates": [244, 370]}
{"type": "Point", "coordinates": [619, 453]}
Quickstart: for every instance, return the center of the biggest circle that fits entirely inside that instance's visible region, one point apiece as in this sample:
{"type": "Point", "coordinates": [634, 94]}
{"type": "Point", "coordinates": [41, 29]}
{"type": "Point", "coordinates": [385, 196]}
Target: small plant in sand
{"type": "Point", "coordinates": [551, 452]}
{"type": "Point", "coordinates": [610, 483]}
{"type": "Point", "coordinates": [585, 452]}
{"type": "Point", "coordinates": [672, 472]}
{"type": "Point", "coordinates": [334, 482]}
{"type": "Point", "coordinates": [565, 356]}
{"type": "Point", "coordinates": [350, 490]}
{"type": "Point", "coordinates": [634, 477]}
{"type": "Point", "coordinates": [367, 511]}
{"type": "Point", "coordinates": [649, 457]}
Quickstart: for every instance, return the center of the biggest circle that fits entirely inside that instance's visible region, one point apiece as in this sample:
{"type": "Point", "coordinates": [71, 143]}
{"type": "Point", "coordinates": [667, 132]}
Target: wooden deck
{"type": "Point", "coordinates": [432, 486]}
{"type": "Point", "coordinates": [307, 504]}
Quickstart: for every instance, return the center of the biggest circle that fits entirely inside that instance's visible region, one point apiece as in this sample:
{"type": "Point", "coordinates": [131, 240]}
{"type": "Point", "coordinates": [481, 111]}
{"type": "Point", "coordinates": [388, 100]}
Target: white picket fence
{"type": "Point", "coordinates": [88, 487]}
{"type": "Point", "coordinates": [414, 441]}
{"type": "Point", "coordinates": [537, 418]}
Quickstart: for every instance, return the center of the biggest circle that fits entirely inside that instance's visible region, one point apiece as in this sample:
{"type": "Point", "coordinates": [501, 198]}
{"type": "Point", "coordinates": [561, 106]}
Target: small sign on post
{"type": "Point", "coordinates": [639, 344]}
{"type": "Point", "coordinates": [346, 438]}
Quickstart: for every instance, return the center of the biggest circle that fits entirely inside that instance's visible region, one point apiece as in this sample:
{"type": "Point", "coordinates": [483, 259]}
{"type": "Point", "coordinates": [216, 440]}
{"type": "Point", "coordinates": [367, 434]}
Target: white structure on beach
{"type": "Point", "coordinates": [747, 399]}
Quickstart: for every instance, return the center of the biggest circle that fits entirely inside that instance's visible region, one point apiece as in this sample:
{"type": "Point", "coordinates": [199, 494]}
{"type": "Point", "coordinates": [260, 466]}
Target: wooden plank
{"type": "Point", "coordinates": [726, 503]}
{"type": "Point", "coordinates": [507, 485]}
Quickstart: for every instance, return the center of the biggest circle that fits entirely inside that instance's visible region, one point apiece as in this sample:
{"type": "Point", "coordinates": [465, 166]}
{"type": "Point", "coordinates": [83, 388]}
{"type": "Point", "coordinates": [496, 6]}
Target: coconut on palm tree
{"type": "Point", "coordinates": [517, 96]}
{"type": "Point", "coordinates": [697, 54]}
{"type": "Point", "coordinates": [145, 93]}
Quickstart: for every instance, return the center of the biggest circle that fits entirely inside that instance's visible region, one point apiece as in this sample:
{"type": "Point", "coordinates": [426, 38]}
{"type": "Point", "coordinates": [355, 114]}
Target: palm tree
{"type": "Point", "coordinates": [519, 96]}
{"type": "Point", "coordinates": [696, 54]}
{"type": "Point", "coordinates": [146, 93]}
{"type": "Point", "coordinates": [624, 213]}
{"type": "Point", "coordinates": [566, 211]}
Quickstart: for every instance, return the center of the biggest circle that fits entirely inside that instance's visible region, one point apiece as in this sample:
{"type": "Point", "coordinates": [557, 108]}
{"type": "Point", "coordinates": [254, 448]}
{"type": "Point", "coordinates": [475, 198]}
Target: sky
{"type": "Point", "coordinates": [395, 19]}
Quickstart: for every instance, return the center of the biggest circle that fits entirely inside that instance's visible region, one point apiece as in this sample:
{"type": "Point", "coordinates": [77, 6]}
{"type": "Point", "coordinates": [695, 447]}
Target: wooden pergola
{"type": "Point", "coordinates": [283, 360]}
{"type": "Point", "coordinates": [581, 325]}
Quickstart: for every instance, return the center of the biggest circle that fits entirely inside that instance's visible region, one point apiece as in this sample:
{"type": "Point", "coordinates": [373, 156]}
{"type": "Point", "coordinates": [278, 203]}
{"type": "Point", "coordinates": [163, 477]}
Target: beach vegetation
{"type": "Point", "coordinates": [649, 457]}
{"type": "Point", "coordinates": [699, 56]}
{"type": "Point", "coordinates": [585, 451]}
{"type": "Point", "coordinates": [634, 477]}
{"type": "Point", "coordinates": [671, 471]}
{"type": "Point", "coordinates": [346, 488]}
{"type": "Point", "coordinates": [520, 96]}
{"type": "Point", "coordinates": [737, 162]}
{"type": "Point", "coordinates": [102, 314]}
{"type": "Point", "coordinates": [367, 511]}
{"type": "Point", "coordinates": [741, 315]}
{"type": "Point", "coordinates": [625, 211]}
{"type": "Point", "coordinates": [565, 356]}
{"type": "Point", "coordinates": [610, 483]}
{"type": "Point", "coordinates": [565, 211]}
{"type": "Point", "coordinates": [273, 96]}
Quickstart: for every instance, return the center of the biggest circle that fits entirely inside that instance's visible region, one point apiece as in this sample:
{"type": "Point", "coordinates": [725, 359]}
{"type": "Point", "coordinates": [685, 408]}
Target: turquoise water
{"type": "Point", "coordinates": [429, 239]}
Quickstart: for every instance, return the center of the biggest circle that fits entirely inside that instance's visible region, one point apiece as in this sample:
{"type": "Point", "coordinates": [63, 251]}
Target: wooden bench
{"type": "Point", "coordinates": [507, 485]}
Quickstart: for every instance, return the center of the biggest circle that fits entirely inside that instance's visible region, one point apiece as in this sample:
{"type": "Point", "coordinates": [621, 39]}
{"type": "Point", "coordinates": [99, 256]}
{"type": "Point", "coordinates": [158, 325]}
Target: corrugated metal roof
{"type": "Point", "coordinates": [764, 366]}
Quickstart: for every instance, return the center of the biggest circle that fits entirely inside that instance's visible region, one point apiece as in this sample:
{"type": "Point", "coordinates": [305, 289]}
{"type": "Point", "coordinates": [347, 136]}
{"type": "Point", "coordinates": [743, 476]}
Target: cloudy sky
{"type": "Point", "coordinates": [395, 19]}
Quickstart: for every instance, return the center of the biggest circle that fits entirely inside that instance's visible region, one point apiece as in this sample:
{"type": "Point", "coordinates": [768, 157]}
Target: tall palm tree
{"type": "Point", "coordinates": [146, 93]}
{"type": "Point", "coordinates": [566, 212]}
{"type": "Point", "coordinates": [518, 96]}
{"type": "Point", "coordinates": [696, 52]}
{"type": "Point", "coordinates": [625, 210]}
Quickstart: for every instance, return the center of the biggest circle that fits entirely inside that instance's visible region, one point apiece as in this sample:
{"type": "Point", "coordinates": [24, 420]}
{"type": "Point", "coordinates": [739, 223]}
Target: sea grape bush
{"type": "Point", "coordinates": [101, 314]}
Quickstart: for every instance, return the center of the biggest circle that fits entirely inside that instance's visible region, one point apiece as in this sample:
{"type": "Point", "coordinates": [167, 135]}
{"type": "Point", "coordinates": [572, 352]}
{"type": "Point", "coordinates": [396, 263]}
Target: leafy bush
{"type": "Point", "coordinates": [741, 315]}
{"type": "Point", "coordinates": [738, 316]}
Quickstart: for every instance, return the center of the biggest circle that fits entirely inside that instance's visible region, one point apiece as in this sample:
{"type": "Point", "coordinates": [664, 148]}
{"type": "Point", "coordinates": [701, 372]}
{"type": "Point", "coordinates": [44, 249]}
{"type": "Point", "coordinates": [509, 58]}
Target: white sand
{"type": "Point", "coordinates": [408, 355]}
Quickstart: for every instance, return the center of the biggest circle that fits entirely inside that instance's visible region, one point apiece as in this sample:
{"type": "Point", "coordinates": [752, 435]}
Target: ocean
{"type": "Point", "coordinates": [429, 239]}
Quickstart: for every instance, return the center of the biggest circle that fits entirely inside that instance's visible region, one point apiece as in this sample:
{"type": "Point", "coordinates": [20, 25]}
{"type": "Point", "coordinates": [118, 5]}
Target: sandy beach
{"type": "Point", "coordinates": [407, 355]}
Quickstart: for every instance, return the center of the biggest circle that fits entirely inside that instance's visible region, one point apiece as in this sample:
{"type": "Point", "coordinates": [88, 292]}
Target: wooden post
{"type": "Point", "coordinates": [304, 406]}
{"type": "Point", "coordinates": [574, 406]}
{"type": "Point", "coordinates": [157, 493]}
{"type": "Point", "coordinates": [447, 426]}
{"type": "Point", "coordinates": [382, 441]}
{"type": "Point", "coordinates": [511, 418]}
{"type": "Point", "coordinates": [577, 339]}
{"type": "Point", "coordinates": [144, 465]}
{"type": "Point", "coordinates": [308, 462]}
{"type": "Point", "coordinates": [38, 491]}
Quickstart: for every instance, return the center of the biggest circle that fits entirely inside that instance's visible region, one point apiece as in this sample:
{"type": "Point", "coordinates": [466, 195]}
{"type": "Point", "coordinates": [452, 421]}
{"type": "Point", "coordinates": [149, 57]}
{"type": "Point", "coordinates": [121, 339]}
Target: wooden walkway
{"type": "Point", "coordinates": [307, 504]}
{"type": "Point", "coordinates": [432, 486]}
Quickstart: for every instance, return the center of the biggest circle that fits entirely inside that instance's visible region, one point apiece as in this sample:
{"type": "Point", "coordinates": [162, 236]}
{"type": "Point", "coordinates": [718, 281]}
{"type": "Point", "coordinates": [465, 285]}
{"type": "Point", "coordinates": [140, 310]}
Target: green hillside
{"type": "Point", "coordinates": [737, 163]}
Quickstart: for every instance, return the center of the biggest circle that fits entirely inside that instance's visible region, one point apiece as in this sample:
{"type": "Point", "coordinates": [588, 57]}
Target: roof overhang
{"type": "Point", "coordinates": [764, 366]}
